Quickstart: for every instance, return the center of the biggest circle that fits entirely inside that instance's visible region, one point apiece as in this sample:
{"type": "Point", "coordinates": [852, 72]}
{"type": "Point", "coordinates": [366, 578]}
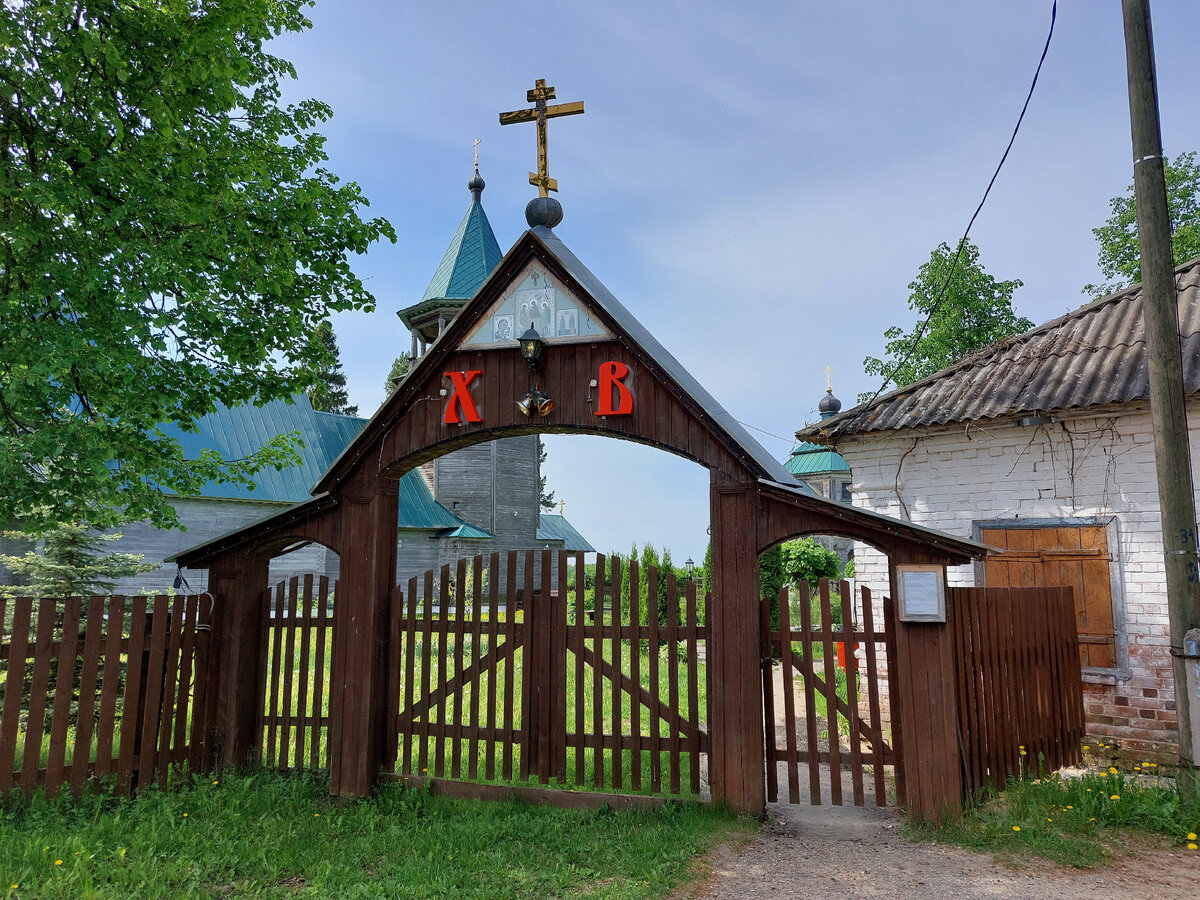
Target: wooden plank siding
{"type": "Point", "coordinates": [61, 665]}
{"type": "Point", "coordinates": [1019, 683]}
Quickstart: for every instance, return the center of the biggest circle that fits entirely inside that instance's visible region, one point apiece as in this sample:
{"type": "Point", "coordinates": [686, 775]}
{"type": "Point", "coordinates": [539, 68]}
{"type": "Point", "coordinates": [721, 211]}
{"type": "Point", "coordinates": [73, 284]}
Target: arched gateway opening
{"type": "Point", "coordinates": [598, 371]}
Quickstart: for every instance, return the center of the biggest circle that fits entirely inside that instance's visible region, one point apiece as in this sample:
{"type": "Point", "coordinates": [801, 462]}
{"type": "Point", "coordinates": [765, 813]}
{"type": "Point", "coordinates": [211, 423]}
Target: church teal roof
{"type": "Point", "coordinates": [557, 528]}
{"type": "Point", "coordinates": [812, 459]}
{"type": "Point", "coordinates": [418, 509]}
{"type": "Point", "coordinates": [472, 255]}
{"type": "Point", "coordinates": [240, 431]}
{"type": "Point", "coordinates": [236, 432]}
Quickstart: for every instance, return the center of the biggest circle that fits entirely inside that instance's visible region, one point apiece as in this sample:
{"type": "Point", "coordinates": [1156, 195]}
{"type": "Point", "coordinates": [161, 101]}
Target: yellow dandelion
{"type": "Point", "coordinates": [1192, 846]}
{"type": "Point", "coordinates": [216, 782]}
{"type": "Point", "coordinates": [1115, 797]}
{"type": "Point", "coordinates": [58, 862]}
{"type": "Point", "coordinates": [1049, 819]}
{"type": "Point", "coordinates": [1016, 828]}
{"type": "Point", "coordinates": [316, 815]}
{"type": "Point", "coordinates": [185, 815]}
{"type": "Point", "coordinates": [1191, 835]}
{"type": "Point", "coordinates": [14, 887]}
{"type": "Point", "coordinates": [1068, 807]}
{"type": "Point", "coordinates": [1086, 747]}
{"type": "Point", "coordinates": [1113, 769]}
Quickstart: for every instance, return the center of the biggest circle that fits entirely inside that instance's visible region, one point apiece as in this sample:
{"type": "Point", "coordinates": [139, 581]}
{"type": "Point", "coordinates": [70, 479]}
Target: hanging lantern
{"type": "Point", "coordinates": [532, 348]}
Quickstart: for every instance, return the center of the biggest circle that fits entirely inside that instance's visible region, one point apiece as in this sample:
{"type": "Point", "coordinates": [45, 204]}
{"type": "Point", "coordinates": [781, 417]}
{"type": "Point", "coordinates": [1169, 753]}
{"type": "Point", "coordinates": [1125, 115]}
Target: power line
{"type": "Point", "coordinates": [963, 240]}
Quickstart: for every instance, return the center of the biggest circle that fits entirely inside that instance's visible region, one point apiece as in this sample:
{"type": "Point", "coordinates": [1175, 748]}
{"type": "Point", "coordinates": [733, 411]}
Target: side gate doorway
{"type": "Point", "coordinates": [534, 666]}
{"type": "Point", "coordinates": [821, 667]}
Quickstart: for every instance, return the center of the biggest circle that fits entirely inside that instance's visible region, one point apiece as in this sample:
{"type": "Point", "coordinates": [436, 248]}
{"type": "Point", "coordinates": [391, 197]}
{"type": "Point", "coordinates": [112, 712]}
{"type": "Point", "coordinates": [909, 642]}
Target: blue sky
{"type": "Point", "coordinates": [757, 182]}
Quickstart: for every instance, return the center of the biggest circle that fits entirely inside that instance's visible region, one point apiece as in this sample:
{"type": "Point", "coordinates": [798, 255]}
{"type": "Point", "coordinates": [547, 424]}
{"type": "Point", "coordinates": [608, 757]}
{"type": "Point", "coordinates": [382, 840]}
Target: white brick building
{"type": "Point", "coordinates": [1042, 445]}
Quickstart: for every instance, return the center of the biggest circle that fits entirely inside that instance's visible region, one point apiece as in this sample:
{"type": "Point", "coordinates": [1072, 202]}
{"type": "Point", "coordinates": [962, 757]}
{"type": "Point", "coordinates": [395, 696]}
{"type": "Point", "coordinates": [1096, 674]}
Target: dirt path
{"type": "Point", "coordinates": [842, 853]}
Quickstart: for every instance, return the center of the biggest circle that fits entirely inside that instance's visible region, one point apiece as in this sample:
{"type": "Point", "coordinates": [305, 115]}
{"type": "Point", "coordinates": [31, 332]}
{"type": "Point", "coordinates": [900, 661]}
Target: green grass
{"type": "Point", "coordinates": [1074, 821]}
{"type": "Point", "coordinates": [266, 835]}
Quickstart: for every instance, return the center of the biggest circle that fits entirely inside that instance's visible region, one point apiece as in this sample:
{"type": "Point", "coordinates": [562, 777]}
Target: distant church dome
{"type": "Point", "coordinates": [829, 405]}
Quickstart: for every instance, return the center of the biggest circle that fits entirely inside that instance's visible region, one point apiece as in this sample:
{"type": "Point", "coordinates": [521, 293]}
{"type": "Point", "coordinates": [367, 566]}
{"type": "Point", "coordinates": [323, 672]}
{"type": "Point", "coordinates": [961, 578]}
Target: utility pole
{"type": "Point", "coordinates": [1161, 323]}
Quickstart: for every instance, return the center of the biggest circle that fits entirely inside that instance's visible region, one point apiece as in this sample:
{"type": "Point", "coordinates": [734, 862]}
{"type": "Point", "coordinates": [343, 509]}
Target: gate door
{"type": "Point", "coordinates": [576, 676]}
{"type": "Point", "coordinates": [821, 690]}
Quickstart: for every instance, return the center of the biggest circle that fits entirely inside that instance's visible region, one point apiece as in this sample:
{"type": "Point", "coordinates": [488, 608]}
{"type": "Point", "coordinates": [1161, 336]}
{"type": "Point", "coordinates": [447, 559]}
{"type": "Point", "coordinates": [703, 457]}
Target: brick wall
{"type": "Point", "coordinates": [1095, 467]}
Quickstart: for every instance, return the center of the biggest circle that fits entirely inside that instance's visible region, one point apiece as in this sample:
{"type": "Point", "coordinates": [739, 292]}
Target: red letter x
{"type": "Point", "coordinates": [612, 376]}
{"type": "Point", "coordinates": [461, 398]}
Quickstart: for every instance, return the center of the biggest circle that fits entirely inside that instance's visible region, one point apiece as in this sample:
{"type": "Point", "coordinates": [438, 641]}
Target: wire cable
{"type": "Point", "coordinates": [963, 240]}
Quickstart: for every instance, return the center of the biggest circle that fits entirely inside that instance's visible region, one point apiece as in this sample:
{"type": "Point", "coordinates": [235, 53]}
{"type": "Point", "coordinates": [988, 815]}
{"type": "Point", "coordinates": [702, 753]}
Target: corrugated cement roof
{"type": "Point", "coordinates": [557, 528]}
{"type": "Point", "coordinates": [472, 255]}
{"type": "Point", "coordinates": [1093, 356]}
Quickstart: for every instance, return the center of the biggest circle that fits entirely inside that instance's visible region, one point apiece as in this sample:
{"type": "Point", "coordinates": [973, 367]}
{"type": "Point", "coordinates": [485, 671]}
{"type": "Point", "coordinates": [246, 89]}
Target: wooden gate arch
{"type": "Point", "coordinates": [604, 374]}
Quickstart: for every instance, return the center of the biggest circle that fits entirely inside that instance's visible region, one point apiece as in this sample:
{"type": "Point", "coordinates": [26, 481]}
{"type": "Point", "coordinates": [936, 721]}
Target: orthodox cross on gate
{"type": "Point", "coordinates": [540, 113]}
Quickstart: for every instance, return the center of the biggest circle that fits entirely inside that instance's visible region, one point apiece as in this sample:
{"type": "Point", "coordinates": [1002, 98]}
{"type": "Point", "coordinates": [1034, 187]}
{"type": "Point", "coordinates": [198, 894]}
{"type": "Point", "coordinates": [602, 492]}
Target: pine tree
{"type": "Point", "coordinates": [70, 564]}
{"type": "Point", "coordinates": [327, 391]}
{"type": "Point", "coordinates": [545, 498]}
{"type": "Point", "coordinates": [397, 373]}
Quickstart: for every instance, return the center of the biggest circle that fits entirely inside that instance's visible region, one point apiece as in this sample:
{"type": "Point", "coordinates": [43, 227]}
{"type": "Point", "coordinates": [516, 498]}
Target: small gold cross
{"type": "Point", "coordinates": [540, 113]}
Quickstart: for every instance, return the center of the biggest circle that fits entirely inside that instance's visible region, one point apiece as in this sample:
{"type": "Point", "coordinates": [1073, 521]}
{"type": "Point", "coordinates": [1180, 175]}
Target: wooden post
{"type": "Point", "coordinates": [736, 769]}
{"type": "Point", "coordinates": [237, 580]}
{"type": "Point", "coordinates": [1160, 316]}
{"type": "Point", "coordinates": [926, 737]}
{"type": "Point", "coordinates": [358, 687]}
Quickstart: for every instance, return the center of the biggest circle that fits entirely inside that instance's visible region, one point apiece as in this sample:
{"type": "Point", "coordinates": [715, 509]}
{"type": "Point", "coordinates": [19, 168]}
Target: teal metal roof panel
{"type": "Point", "coordinates": [240, 431]}
{"type": "Point", "coordinates": [557, 528]}
{"type": "Point", "coordinates": [811, 459]}
{"type": "Point", "coordinates": [472, 255]}
{"type": "Point", "coordinates": [418, 509]}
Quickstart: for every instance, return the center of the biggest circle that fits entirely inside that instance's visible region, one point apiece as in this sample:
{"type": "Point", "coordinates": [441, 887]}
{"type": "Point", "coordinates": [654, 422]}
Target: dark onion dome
{"type": "Point", "coordinates": [543, 211]}
{"type": "Point", "coordinates": [829, 405]}
{"type": "Point", "coordinates": [476, 186]}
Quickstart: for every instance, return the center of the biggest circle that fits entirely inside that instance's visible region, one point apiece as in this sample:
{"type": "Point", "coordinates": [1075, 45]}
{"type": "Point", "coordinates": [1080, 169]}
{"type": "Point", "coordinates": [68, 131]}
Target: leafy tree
{"type": "Point", "coordinates": [805, 560]}
{"type": "Point", "coordinates": [975, 310]}
{"type": "Point", "coordinates": [169, 238]}
{"type": "Point", "coordinates": [1120, 257]}
{"type": "Point", "coordinates": [327, 392]}
{"type": "Point", "coordinates": [771, 579]}
{"type": "Point", "coordinates": [545, 497]}
{"type": "Point", "coordinates": [71, 564]}
{"type": "Point", "coordinates": [397, 373]}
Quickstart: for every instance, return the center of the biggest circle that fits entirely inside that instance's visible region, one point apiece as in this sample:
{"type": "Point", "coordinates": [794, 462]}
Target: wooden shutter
{"type": "Point", "coordinates": [1069, 556]}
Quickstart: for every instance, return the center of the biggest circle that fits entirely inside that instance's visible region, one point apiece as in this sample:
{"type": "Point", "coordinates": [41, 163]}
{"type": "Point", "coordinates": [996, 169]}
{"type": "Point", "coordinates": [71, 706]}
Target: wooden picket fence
{"type": "Point", "coordinates": [480, 690]}
{"type": "Point", "coordinates": [1019, 687]}
{"type": "Point", "coordinates": [101, 689]}
{"type": "Point", "coordinates": [849, 736]}
{"type": "Point", "coordinates": [293, 726]}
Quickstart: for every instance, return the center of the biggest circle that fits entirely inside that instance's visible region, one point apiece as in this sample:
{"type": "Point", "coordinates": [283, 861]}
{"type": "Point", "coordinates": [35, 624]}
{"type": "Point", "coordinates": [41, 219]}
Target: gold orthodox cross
{"type": "Point", "coordinates": [540, 113]}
